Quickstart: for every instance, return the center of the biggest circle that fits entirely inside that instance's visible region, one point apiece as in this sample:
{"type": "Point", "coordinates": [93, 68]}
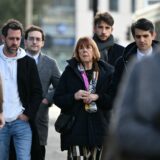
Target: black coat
{"type": "Point", "coordinates": [29, 86]}
{"type": "Point", "coordinates": [89, 128]}
{"type": "Point", "coordinates": [109, 50]}
{"type": "Point", "coordinates": [122, 64]}
{"type": "Point", "coordinates": [30, 93]}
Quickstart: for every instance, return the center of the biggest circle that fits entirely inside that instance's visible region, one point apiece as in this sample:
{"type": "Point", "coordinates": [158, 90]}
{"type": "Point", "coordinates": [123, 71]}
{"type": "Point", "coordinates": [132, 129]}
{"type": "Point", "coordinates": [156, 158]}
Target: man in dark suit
{"type": "Point", "coordinates": [49, 75]}
{"type": "Point", "coordinates": [22, 92]}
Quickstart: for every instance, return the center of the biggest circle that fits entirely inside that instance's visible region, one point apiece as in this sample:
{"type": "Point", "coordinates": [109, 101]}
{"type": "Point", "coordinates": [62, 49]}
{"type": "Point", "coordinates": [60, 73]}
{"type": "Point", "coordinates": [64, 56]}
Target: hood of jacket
{"type": "Point", "coordinates": [20, 54]}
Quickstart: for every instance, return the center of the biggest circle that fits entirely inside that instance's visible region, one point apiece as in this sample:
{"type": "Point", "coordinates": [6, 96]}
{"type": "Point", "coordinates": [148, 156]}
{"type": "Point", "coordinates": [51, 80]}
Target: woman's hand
{"type": "Point", "coordinates": [81, 94]}
{"type": "Point", "coordinates": [91, 97]}
{"type": "Point", "coordinates": [23, 117]}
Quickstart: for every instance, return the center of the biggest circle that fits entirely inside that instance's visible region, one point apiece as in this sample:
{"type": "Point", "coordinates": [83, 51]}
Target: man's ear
{"type": "Point", "coordinates": [112, 29]}
{"type": "Point", "coordinates": [25, 43]}
{"type": "Point", "coordinates": [2, 38]}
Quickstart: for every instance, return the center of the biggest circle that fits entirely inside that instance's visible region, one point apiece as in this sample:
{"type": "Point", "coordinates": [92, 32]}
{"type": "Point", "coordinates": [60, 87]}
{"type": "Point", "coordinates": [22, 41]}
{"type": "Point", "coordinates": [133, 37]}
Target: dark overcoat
{"type": "Point", "coordinates": [135, 124]}
{"type": "Point", "coordinates": [89, 128]}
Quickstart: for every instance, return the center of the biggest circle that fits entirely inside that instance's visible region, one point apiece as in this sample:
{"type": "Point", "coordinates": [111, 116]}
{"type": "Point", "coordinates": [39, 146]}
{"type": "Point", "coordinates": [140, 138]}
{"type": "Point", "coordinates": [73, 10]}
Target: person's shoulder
{"type": "Point", "coordinates": [48, 59]}
{"type": "Point", "coordinates": [116, 45]}
{"type": "Point", "coordinates": [106, 66]}
{"type": "Point", "coordinates": [131, 45]}
{"type": "Point", "coordinates": [117, 49]}
{"type": "Point", "coordinates": [155, 59]}
{"type": "Point", "coordinates": [27, 58]}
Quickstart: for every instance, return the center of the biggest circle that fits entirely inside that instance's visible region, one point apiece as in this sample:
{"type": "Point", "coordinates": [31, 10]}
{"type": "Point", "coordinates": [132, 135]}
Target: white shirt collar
{"type": "Point", "coordinates": [35, 57]}
{"type": "Point", "coordinates": [141, 54]}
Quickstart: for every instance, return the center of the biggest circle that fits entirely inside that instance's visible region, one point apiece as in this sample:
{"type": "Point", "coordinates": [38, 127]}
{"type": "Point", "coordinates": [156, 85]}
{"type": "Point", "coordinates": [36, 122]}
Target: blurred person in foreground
{"type": "Point", "coordinates": [144, 45]}
{"type": "Point", "coordinates": [135, 124]}
{"type": "Point", "coordinates": [2, 122]}
{"type": "Point", "coordinates": [22, 92]}
{"type": "Point", "coordinates": [82, 88]}
{"type": "Point", "coordinates": [49, 76]}
{"type": "Point", "coordinates": [103, 28]}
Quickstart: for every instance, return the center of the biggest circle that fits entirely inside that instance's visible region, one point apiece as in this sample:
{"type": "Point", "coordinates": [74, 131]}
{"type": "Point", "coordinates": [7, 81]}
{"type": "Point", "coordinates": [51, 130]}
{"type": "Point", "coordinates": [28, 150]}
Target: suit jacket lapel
{"type": "Point", "coordinates": [40, 62]}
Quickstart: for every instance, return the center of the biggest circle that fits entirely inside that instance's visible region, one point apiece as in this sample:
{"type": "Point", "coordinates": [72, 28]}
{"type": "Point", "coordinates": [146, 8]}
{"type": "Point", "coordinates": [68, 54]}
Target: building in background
{"type": "Point", "coordinates": [67, 20]}
{"type": "Point", "coordinates": [122, 10]}
{"type": "Point", "coordinates": [153, 13]}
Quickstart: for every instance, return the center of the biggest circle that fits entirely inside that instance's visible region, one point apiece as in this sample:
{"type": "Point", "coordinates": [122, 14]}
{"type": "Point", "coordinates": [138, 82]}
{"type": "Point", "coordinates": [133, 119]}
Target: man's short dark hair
{"type": "Point", "coordinates": [34, 28]}
{"type": "Point", "coordinates": [105, 16]}
{"type": "Point", "coordinates": [12, 24]}
{"type": "Point", "coordinates": [143, 24]}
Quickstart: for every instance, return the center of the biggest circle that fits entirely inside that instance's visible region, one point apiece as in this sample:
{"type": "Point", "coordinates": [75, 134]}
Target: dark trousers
{"type": "Point", "coordinates": [43, 152]}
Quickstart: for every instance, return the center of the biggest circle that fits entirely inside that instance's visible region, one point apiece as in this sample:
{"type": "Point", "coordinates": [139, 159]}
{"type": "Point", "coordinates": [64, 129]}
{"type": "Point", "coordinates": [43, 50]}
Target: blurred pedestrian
{"type": "Point", "coordinates": [22, 92]}
{"type": "Point", "coordinates": [135, 123]}
{"type": "Point", "coordinates": [49, 76]}
{"type": "Point", "coordinates": [1, 103]}
{"type": "Point", "coordinates": [145, 44]}
{"type": "Point", "coordinates": [82, 88]}
{"type": "Point", "coordinates": [103, 28]}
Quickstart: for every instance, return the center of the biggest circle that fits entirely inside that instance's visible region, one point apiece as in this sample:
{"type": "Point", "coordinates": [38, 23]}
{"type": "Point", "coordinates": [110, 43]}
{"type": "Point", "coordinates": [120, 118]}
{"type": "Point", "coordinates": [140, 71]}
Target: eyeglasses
{"type": "Point", "coordinates": [32, 39]}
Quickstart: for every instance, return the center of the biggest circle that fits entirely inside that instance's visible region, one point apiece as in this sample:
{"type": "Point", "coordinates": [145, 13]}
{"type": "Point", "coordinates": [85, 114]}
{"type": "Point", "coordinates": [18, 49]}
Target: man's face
{"type": "Point", "coordinates": [34, 42]}
{"type": "Point", "coordinates": [12, 41]}
{"type": "Point", "coordinates": [143, 39]}
{"type": "Point", "coordinates": [103, 30]}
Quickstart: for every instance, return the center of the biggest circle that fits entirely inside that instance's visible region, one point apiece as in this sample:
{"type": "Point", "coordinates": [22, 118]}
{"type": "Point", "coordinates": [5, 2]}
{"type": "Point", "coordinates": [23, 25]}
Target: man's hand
{"type": "Point", "coordinates": [45, 101]}
{"type": "Point", "coordinates": [23, 117]}
{"type": "Point", "coordinates": [2, 122]}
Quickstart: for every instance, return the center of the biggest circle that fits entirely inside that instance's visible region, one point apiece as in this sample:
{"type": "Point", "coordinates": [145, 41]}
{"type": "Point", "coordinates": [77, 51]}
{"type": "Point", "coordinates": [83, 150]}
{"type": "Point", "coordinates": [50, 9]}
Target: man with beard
{"type": "Point", "coordinates": [109, 50]}
{"type": "Point", "coordinates": [49, 76]}
{"type": "Point", "coordinates": [103, 27]}
{"type": "Point", "coordinates": [22, 92]}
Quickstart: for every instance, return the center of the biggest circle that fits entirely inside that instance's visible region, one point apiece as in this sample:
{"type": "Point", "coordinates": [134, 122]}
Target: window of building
{"type": "Point", "coordinates": [133, 6]}
{"type": "Point", "coordinates": [128, 33]}
{"type": "Point", "coordinates": [113, 5]}
{"type": "Point", "coordinates": [63, 2]}
{"type": "Point", "coordinates": [90, 4]}
{"type": "Point", "coordinates": [157, 28]}
{"type": "Point", "coordinates": [153, 1]}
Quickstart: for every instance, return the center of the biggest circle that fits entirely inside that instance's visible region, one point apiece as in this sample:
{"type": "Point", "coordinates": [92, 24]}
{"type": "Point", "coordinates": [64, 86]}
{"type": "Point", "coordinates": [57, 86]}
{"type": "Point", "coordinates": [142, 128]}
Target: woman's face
{"type": "Point", "coordinates": [86, 53]}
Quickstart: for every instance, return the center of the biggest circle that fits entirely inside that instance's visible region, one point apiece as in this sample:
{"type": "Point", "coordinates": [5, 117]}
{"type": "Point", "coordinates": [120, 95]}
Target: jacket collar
{"type": "Point", "coordinates": [131, 49]}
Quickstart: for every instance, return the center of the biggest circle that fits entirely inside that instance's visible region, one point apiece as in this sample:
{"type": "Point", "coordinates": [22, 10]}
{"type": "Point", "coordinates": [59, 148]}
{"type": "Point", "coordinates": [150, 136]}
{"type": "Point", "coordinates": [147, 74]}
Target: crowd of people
{"type": "Point", "coordinates": [114, 90]}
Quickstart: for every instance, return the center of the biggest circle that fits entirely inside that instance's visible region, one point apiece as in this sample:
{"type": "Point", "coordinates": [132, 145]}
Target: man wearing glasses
{"type": "Point", "coordinates": [49, 76]}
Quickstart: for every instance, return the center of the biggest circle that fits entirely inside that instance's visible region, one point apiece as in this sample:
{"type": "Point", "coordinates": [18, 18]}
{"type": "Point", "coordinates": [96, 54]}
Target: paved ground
{"type": "Point", "coordinates": [53, 151]}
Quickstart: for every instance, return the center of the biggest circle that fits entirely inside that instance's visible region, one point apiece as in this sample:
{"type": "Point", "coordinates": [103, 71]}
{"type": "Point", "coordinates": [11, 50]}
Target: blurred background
{"type": "Point", "coordinates": [64, 21]}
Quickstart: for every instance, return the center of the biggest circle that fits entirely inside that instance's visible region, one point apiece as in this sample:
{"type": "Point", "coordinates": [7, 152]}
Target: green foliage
{"type": "Point", "coordinates": [12, 9]}
{"type": "Point", "coordinates": [16, 9]}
